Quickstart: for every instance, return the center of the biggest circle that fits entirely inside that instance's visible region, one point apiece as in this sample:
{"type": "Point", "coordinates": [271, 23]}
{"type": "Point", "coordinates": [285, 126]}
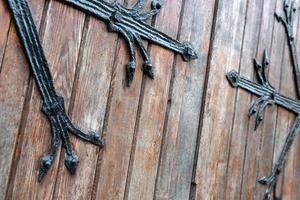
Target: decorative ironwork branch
{"type": "Point", "coordinates": [53, 104]}
{"type": "Point", "coordinates": [269, 96]}
{"type": "Point", "coordinates": [288, 22]}
{"type": "Point", "coordinates": [130, 23]}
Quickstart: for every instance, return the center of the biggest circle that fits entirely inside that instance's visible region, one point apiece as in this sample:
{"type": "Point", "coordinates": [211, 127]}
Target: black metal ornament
{"type": "Point", "coordinates": [127, 22]}
{"type": "Point", "coordinates": [53, 104]}
{"type": "Point", "coordinates": [130, 23]}
{"type": "Point", "coordinates": [269, 96]}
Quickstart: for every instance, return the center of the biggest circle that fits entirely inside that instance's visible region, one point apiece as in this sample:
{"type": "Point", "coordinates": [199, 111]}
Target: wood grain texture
{"type": "Point", "coordinates": [62, 54]}
{"type": "Point", "coordinates": [124, 101]}
{"type": "Point", "coordinates": [90, 96]}
{"type": "Point", "coordinates": [291, 181]}
{"type": "Point", "coordinates": [149, 130]}
{"type": "Point", "coordinates": [14, 79]}
{"type": "Point", "coordinates": [240, 125]}
{"type": "Point", "coordinates": [219, 107]}
{"type": "Point", "coordinates": [289, 188]}
{"type": "Point", "coordinates": [4, 24]}
{"type": "Point", "coordinates": [253, 161]}
{"type": "Point", "coordinates": [184, 135]}
{"type": "Point", "coordinates": [178, 149]}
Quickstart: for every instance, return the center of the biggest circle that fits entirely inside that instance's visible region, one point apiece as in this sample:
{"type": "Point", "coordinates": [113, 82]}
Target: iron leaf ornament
{"type": "Point", "coordinates": [128, 22]}
{"type": "Point", "coordinates": [268, 95]}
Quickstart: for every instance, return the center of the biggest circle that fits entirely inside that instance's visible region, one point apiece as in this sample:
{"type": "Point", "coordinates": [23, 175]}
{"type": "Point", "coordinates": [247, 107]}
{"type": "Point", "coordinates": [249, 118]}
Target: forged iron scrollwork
{"type": "Point", "coordinates": [269, 96]}
{"type": "Point", "coordinates": [53, 104]}
{"type": "Point", "coordinates": [130, 23]}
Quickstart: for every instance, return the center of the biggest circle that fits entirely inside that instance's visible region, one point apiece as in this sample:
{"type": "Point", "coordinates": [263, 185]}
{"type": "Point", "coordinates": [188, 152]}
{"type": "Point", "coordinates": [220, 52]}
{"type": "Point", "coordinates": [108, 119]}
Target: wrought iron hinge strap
{"type": "Point", "coordinates": [28, 34]}
{"type": "Point", "coordinates": [269, 96]}
{"type": "Point", "coordinates": [131, 24]}
{"type": "Point", "coordinates": [237, 81]}
{"type": "Point", "coordinates": [106, 11]}
{"type": "Point", "coordinates": [53, 104]}
{"type": "Point", "coordinates": [288, 22]}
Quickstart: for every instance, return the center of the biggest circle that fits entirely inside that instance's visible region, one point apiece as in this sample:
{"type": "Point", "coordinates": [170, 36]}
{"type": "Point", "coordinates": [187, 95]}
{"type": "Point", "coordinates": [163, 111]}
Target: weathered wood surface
{"type": "Point", "coordinates": [183, 135]}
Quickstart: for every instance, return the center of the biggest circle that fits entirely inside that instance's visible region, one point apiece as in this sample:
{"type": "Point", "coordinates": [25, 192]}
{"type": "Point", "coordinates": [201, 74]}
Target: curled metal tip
{"type": "Point", "coordinates": [95, 139]}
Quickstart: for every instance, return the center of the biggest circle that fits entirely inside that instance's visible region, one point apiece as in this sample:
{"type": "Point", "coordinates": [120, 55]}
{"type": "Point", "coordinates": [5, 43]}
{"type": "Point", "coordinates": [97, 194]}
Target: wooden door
{"type": "Point", "coordinates": [183, 135]}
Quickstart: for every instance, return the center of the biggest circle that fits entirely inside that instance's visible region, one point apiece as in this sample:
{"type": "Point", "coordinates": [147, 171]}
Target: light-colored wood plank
{"type": "Point", "coordinates": [219, 107]}
{"type": "Point", "coordinates": [181, 131]}
{"type": "Point", "coordinates": [145, 158]}
{"type": "Point", "coordinates": [90, 101]}
{"type": "Point", "coordinates": [290, 185]}
{"type": "Point", "coordinates": [4, 24]}
{"type": "Point", "coordinates": [256, 162]}
{"type": "Point", "coordinates": [241, 120]}
{"type": "Point", "coordinates": [61, 44]}
{"type": "Point", "coordinates": [268, 129]}
{"type": "Point", "coordinates": [120, 127]}
{"type": "Point", "coordinates": [295, 158]}
{"type": "Point", "coordinates": [14, 79]}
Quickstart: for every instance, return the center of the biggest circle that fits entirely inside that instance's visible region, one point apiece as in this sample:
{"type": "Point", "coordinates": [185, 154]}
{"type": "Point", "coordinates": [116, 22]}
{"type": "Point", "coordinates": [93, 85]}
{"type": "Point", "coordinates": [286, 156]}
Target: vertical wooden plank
{"type": "Point", "coordinates": [282, 128]}
{"type": "Point", "coordinates": [285, 122]}
{"type": "Point", "coordinates": [256, 162]}
{"type": "Point", "coordinates": [289, 176]}
{"type": "Point", "coordinates": [288, 186]}
{"type": "Point", "coordinates": [275, 74]}
{"type": "Point", "coordinates": [89, 105]}
{"type": "Point", "coordinates": [4, 24]}
{"type": "Point", "coordinates": [295, 175]}
{"type": "Point", "coordinates": [119, 134]}
{"type": "Point", "coordinates": [61, 44]}
{"type": "Point", "coordinates": [241, 121]}
{"type": "Point", "coordinates": [14, 79]}
{"type": "Point", "coordinates": [145, 157]}
{"type": "Point", "coordinates": [219, 106]}
{"type": "Point", "coordinates": [265, 145]}
{"type": "Point", "coordinates": [185, 99]}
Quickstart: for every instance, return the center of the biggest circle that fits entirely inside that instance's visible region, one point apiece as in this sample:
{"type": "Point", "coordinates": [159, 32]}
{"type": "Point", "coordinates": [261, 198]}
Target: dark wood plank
{"type": "Point", "coordinates": [61, 43]}
{"type": "Point", "coordinates": [14, 79]}
{"type": "Point", "coordinates": [185, 99]}
{"type": "Point", "coordinates": [219, 103]}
